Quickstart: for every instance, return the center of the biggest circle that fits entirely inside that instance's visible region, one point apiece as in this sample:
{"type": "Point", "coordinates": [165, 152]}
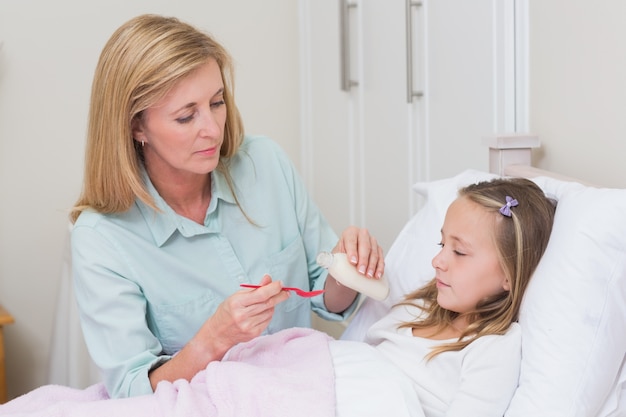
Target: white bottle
{"type": "Point", "coordinates": [343, 271]}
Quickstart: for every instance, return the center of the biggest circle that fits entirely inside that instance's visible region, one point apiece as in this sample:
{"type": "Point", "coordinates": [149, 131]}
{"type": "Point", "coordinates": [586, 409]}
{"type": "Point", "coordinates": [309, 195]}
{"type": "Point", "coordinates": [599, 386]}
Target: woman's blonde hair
{"type": "Point", "coordinates": [139, 64]}
{"type": "Point", "coordinates": [520, 241]}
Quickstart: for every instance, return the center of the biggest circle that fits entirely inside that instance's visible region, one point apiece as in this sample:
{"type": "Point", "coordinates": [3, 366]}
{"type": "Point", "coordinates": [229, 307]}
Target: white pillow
{"type": "Point", "coordinates": [573, 316]}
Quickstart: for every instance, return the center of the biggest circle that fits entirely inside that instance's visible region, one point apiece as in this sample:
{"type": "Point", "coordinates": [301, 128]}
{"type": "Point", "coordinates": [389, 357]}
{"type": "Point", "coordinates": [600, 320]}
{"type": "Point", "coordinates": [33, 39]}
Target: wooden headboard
{"type": "Point", "coordinates": [510, 155]}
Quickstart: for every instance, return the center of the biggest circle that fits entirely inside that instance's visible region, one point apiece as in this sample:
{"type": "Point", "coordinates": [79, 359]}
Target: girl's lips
{"type": "Point", "coordinates": [441, 284]}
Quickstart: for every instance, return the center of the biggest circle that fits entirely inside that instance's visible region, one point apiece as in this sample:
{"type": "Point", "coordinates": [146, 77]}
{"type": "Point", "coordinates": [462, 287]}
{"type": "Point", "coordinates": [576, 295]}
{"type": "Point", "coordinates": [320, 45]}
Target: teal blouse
{"type": "Point", "coordinates": [146, 281]}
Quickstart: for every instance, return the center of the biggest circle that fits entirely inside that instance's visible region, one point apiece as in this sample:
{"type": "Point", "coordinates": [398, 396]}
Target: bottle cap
{"type": "Point", "coordinates": [324, 259]}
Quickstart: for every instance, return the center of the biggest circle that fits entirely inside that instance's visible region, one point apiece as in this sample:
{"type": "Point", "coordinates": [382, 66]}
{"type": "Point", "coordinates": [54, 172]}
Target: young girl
{"type": "Point", "coordinates": [457, 338]}
{"type": "Point", "coordinates": [451, 348]}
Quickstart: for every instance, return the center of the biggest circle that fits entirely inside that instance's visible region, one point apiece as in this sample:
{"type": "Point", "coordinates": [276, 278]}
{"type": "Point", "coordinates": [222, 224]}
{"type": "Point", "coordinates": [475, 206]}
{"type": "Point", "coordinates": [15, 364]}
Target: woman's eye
{"type": "Point", "coordinates": [184, 120]}
{"type": "Point", "coordinates": [217, 104]}
{"type": "Point", "coordinates": [457, 252]}
{"type": "Point", "coordinates": [440, 244]}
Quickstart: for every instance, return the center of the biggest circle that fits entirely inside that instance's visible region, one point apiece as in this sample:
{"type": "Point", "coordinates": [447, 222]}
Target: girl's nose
{"type": "Point", "coordinates": [438, 261]}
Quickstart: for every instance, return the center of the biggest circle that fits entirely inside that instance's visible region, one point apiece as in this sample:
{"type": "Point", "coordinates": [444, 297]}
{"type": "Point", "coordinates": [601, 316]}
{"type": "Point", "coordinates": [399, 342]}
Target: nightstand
{"type": "Point", "coordinates": [5, 318]}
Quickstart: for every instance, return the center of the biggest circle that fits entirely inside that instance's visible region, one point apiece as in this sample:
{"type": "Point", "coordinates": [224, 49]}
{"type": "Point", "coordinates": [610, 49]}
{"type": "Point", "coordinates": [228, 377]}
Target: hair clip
{"type": "Point", "coordinates": [506, 209]}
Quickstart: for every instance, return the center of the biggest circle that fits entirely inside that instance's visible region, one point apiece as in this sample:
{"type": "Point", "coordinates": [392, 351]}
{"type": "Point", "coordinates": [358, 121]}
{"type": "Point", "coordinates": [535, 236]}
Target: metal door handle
{"type": "Point", "coordinates": [410, 94]}
{"type": "Point", "coordinates": [344, 29]}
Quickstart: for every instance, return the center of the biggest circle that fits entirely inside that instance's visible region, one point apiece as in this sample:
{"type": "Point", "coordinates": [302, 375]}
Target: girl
{"type": "Point", "coordinates": [457, 338]}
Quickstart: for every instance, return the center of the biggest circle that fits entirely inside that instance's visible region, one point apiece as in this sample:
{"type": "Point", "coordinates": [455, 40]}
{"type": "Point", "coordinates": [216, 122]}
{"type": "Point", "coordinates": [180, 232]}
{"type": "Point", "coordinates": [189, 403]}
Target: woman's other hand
{"type": "Point", "coordinates": [363, 251]}
{"type": "Point", "coordinates": [240, 318]}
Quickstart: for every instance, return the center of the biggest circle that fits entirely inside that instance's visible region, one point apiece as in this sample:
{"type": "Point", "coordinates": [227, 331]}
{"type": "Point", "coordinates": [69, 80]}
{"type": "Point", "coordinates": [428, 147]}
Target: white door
{"type": "Point", "coordinates": [328, 123]}
{"type": "Point", "coordinates": [391, 124]}
{"type": "Point", "coordinates": [429, 85]}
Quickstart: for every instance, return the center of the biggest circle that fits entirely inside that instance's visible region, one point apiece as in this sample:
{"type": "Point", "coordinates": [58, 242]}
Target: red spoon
{"type": "Point", "coordinates": [298, 291]}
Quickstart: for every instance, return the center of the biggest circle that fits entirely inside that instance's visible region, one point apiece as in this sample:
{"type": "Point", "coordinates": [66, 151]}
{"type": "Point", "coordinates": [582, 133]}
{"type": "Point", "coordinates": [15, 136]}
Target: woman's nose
{"type": "Point", "coordinates": [209, 125]}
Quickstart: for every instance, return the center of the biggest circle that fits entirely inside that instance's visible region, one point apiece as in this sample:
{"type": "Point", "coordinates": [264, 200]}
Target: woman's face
{"type": "Point", "coordinates": [467, 267]}
{"type": "Point", "coordinates": [183, 132]}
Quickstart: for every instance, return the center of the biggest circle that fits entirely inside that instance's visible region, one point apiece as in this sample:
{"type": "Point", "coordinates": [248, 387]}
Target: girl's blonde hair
{"type": "Point", "coordinates": [140, 63]}
{"type": "Point", "coordinates": [520, 241]}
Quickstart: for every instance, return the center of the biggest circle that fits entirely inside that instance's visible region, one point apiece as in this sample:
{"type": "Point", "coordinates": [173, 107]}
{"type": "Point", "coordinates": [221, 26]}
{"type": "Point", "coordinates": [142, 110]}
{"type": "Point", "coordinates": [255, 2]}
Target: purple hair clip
{"type": "Point", "coordinates": [506, 209]}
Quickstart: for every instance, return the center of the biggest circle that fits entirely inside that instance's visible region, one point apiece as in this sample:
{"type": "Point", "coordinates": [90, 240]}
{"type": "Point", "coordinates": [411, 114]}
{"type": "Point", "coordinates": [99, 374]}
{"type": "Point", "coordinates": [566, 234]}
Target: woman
{"type": "Point", "coordinates": [179, 208]}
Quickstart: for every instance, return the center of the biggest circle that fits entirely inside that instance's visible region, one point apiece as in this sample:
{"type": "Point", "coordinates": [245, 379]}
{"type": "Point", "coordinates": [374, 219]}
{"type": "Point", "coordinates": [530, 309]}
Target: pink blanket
{"type": "Point", "coordinates": [289, 373]}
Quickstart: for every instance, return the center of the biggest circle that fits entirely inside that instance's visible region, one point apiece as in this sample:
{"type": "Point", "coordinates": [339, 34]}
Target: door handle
{"type": "Point", "coordinates": [344, 30]}
{"type": "Point", "coordinates": [410, 93]}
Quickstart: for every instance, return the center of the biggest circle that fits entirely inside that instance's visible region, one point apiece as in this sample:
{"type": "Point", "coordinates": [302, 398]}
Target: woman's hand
{"type": "Point", "coordinates": [363, 252]}
{"type": "Point", "coordinates": [240, 318]}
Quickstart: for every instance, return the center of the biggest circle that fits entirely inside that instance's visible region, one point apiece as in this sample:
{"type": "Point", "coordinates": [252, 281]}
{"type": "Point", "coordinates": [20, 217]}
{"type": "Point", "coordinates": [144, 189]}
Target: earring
{"type": "Point", "coordinates": [142, 143]}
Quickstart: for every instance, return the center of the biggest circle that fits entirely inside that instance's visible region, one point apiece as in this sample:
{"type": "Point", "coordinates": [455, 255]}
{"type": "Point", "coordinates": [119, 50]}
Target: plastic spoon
{"type": "Point", "coordinates": [301, 293]}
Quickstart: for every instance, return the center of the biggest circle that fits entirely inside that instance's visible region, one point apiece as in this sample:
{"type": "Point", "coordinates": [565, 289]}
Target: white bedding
{"type": "Point", "coordinates": [367, 384]}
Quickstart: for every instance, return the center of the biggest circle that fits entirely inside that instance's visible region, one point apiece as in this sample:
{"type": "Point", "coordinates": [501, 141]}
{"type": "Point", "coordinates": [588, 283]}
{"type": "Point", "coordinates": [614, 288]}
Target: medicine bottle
{"type": "Point", "coordinates": [343, 271]}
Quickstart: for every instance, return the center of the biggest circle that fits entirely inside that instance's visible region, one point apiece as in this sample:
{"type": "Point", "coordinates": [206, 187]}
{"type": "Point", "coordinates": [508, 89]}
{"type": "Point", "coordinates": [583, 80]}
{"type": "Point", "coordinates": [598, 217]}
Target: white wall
{"type": "Point", "coordinates": [46, 63]}
{"type": "Point", "coordinates": [578, 88]}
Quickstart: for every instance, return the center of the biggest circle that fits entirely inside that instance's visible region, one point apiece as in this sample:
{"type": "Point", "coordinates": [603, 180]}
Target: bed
{"type": "Point", "coordinates": [573, 316]}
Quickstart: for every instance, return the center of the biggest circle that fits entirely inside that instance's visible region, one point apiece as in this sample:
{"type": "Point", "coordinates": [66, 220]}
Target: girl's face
{"type": "Point", "coordinates": [467, 267]}
{"type": "Point", "coordinates": [184, 131]}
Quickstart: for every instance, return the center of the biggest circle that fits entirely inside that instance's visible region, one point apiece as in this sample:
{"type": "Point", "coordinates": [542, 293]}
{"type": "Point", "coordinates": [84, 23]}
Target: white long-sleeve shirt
{"type": "Point", "coordinates": [477, 381]}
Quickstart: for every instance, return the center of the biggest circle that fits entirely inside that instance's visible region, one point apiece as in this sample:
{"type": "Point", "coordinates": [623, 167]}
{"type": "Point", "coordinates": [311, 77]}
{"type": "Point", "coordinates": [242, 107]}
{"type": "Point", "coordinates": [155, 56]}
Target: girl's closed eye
{"type": "Point", "coordinates": [454, 250]}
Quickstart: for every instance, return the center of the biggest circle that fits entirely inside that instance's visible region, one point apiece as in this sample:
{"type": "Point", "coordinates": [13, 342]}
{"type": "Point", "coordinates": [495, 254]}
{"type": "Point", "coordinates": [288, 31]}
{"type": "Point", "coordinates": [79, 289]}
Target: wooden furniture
{"type": "Point", "coordinates": [5, 318]}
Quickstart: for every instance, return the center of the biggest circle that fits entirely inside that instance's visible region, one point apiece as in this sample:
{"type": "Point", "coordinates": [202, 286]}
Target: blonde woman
{"type": "Point", "coordinates": [179, 208]}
